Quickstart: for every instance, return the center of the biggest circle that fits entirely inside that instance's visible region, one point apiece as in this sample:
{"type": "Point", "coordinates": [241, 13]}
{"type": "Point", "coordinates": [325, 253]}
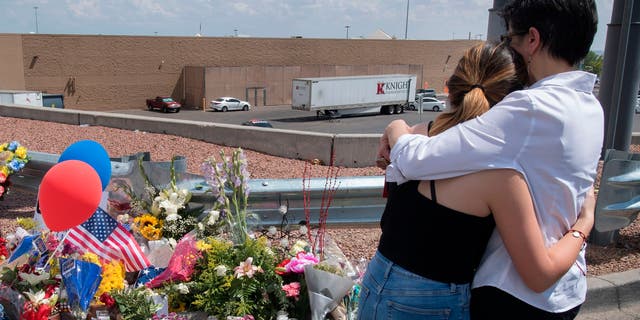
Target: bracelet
{"type": "Point", "coordinates": [577, 234]}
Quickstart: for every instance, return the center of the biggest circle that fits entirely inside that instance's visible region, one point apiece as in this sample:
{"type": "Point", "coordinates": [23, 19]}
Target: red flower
{"type": "Point", "coordinates": [41, 312]}
{"type": "Point", "coordinates": [3, 177]}
{"type": "Point", "coordinates": [26, 268]}
{"type": "Point", "coordinates": [49, 290]}
{"type": "Point", "coordinates": [280, 268]}
{"type": "Point", "coordinates": [107, 299]}
{"type": "Point", "coordinates": [3, 248]}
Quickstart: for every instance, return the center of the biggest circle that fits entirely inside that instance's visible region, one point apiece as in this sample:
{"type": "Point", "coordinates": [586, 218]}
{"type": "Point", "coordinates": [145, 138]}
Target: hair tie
{"type": "Point", "coordinates": [477, 85]}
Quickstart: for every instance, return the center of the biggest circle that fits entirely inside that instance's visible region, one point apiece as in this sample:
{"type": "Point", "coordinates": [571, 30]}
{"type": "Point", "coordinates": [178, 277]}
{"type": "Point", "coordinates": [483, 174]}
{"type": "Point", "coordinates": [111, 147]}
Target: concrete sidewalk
{"type": "Point", "coordinates": [614, 296]}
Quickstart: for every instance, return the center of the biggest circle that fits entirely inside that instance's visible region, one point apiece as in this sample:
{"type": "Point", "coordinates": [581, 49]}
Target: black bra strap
{"type": "Point", "coordinates": [433, 190]}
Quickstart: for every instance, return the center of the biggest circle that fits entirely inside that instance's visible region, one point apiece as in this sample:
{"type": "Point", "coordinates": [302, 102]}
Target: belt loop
{"type": "Point", "coordinates": [454, 287]}
{"type": "Point", "coordinates": [388, 267]}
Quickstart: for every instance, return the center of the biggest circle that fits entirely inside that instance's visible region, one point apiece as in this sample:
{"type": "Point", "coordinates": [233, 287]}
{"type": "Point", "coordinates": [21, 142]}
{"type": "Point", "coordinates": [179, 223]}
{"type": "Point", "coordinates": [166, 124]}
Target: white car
{"type": "Point", "coordinates": [225, 104]}
{"type": "Point", "coordinates": [430, 104]}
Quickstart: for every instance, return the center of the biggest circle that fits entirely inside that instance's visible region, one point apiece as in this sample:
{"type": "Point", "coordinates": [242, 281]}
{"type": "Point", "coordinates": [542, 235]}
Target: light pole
{"type": "Point", "coordinates": [36, 12]}
{"type": "Point", "coordinates": [235, 33]}
{"type": "Point", "coordinates": [347, 27]}
{"type": "Point", "coordinates": [406, 22]}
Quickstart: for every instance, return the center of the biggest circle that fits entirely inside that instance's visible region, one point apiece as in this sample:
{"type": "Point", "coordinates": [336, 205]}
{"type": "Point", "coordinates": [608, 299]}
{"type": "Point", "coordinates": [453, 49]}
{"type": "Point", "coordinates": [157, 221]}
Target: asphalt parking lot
{"type": "Point", "coordinates": [283, 117]}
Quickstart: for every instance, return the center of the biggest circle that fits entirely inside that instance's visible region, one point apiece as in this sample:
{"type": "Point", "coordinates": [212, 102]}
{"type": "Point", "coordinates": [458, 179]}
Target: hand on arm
{"type": "Point", "coordinates": [384, 147]}
{"type": "Point", "coordinates": [513, 210]}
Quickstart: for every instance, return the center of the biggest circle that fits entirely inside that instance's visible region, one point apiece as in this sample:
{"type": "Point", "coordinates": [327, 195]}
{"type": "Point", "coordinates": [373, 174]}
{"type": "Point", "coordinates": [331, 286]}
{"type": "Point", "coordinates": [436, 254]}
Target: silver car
{"type": "Point", "coordinates": [430, 104]}
{"type": "Point", "coordinates": [225, 104]}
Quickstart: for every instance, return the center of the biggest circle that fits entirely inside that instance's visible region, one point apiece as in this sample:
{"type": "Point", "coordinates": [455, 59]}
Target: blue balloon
{"type": "Point", "coordinates": [93, 154]}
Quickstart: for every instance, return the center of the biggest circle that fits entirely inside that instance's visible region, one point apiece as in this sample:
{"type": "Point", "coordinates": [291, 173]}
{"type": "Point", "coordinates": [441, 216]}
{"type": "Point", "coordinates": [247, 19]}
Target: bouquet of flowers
{"type": "Point", "coordinates": [13, 157]}
{"type": "Point", "coordinates": [158, 211]}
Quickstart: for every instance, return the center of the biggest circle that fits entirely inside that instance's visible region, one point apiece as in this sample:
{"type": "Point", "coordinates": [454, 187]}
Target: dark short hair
{"type": "Point", "coordinates": [566, 27]}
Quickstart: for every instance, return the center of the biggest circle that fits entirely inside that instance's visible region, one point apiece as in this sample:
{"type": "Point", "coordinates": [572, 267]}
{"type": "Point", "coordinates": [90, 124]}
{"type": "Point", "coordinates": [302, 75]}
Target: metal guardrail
{"type": "Point", "coordinates": [357, 200]}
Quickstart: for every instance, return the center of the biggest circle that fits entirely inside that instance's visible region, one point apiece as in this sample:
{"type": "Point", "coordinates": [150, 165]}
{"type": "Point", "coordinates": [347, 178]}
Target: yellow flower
{"type": "Point", "coordinates": [91, 257]}
{"type": "Point", "coordinates": [148, 226]}
{"type": "Point", "coordinates": [113, 274]}
{"type": "Point", "coordinates": [4, 170]}
{"type": "Point", "coordinates": [203, 246]}
{"type": "Point", "coordinates": [21, 152]}
{"type": "Point", "coordinates": [4, 146]}
{"type": "Point", "coordinates": [26, 223]}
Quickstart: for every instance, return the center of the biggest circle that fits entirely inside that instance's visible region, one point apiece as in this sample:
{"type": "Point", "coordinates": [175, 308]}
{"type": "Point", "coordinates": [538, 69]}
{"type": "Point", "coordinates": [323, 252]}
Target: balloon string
{"type": "Point", "coordinates": [53, 254]}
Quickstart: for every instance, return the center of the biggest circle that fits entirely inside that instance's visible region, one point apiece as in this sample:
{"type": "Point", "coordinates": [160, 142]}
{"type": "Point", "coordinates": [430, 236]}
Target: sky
{"type": "Point", "coordinates": [427, 20]}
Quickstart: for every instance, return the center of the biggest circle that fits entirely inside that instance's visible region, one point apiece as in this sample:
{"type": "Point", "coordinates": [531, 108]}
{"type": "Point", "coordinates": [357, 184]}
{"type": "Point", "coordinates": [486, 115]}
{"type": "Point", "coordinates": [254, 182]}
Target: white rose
{"type": "Point", "coordinates": [284, 242]}
{"type": "Point", "coordinates": [172, 217]}
{"type": "Point", "coordinates": [221, 270]}
{"type": "Point", "coordinates": [283, 209]}
{"type": "Point", "coordinates": [213, 217]}
{"type": "Point", "coordinates": [272, 231]}
{"type": "Point", "coordinates": [303, 229]}
{"type": "Point", "coordinates": [182, 288]}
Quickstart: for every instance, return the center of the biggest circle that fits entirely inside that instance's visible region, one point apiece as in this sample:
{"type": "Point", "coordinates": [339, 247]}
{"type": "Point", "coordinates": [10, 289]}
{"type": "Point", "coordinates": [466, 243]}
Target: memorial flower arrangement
{"type": "Point", "coordinates": [221, 262]}
{"type": "Point", "coordinates": [13, 158]}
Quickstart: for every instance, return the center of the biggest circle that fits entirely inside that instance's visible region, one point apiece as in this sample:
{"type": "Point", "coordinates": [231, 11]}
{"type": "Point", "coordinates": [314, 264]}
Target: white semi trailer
{"type": "Point", "coordinates": [337, 96]}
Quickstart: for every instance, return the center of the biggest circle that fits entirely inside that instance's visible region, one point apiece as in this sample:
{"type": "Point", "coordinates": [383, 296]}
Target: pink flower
{"type": "Point", "coordinates": [247, 269]}
{"type": "Point", "coordinates": [292, 289]}
{"type": "Point", "coordinates": [296, 265]}
{"type": "Point", "coordinates": [3, 177]}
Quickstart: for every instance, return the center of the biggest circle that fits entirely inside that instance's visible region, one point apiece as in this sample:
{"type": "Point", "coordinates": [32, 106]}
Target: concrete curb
{"type": "Point", "coordinates": [613, 292]}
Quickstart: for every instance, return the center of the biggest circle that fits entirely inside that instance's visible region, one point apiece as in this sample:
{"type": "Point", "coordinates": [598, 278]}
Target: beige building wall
{"type": "Point", "coordinates": [11, 62]}
{"type": "Point", "coordinates": [120, 72]}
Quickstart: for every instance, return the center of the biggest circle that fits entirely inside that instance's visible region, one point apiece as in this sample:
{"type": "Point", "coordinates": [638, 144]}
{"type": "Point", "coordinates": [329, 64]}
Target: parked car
{"type": "Point", "coordinates": [225, 104]}
{"type": "Point", "coordinates": [258, 123]}
{"type": "Point", "coordinates": [426, 93]}
{"type": "Point", "coordinates": [429, 103]}
{"type": "Point", "coordinates": [165, 104]}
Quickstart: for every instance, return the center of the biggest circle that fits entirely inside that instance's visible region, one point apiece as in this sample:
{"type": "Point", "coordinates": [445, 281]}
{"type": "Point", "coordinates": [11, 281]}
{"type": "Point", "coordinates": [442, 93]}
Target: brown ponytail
{"type": "Point", "coordinates": [485, 74]}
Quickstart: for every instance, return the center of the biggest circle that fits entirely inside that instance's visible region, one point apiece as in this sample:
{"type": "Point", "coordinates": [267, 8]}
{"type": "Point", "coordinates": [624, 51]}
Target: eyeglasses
{"type": "Point", "coordinates": [506, 38]}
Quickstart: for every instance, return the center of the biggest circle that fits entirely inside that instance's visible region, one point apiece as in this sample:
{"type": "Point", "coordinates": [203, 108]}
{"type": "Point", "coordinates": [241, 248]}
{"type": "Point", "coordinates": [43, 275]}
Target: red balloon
{"type": "Point", "coordinates": [69, 194]}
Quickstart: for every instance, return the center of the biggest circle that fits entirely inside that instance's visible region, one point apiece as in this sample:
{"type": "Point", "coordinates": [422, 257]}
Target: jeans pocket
{"type": "Point", "coordinates": [404, 312]}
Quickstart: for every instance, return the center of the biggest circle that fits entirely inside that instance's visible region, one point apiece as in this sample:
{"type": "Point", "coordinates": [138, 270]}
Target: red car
{"type": "Point", "coordinates": [165, 104]}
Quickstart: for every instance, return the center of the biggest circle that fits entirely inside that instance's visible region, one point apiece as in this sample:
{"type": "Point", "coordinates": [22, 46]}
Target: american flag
{"type": "Point", "coordinates": [104, 236]}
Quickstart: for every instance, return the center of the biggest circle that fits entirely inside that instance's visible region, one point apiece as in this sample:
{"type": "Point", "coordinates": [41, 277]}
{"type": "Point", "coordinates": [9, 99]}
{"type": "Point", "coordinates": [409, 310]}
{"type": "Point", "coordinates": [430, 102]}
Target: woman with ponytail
{"type": "Point", "coordinates": [434, 233]}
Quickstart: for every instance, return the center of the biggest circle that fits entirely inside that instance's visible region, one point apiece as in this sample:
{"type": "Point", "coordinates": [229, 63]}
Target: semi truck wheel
{"type": "Point", "coordinates": [386, 109]}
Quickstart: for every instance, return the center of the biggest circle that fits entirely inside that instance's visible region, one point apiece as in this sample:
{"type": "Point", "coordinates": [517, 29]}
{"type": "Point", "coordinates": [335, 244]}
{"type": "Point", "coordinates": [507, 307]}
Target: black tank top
{"type": "Point", "coordinates": [432, 240]}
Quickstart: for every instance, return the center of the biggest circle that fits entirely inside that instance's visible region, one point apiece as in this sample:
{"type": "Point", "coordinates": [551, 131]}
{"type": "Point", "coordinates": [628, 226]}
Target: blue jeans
{"type": "Point", "coordinates": [391, 292]}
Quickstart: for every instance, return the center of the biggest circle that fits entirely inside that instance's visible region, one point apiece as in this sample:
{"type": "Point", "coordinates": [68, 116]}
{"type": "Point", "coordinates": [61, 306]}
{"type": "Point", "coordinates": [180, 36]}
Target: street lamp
{"type": "Point", "coordinates": [347, 27]}
{"type": "Point", "coordinates": [406, 22]}
{"type": "Point", "coordinates": [36, 12]}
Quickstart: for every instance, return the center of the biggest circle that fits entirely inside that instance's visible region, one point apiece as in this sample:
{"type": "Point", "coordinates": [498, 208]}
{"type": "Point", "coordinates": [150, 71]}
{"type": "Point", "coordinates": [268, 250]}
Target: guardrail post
{"type": "Point", "coordinates": [618, 201]}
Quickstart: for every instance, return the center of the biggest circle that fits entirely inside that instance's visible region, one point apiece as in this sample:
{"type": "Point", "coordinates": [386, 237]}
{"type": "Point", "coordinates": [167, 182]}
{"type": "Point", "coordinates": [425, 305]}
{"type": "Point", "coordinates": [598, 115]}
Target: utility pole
{"type": "Point", "coordinates": [406, 22]}
{"type": "Point", "coordinates": [36, 12]}
{"type": "Point", "coordinates": [347, 27]}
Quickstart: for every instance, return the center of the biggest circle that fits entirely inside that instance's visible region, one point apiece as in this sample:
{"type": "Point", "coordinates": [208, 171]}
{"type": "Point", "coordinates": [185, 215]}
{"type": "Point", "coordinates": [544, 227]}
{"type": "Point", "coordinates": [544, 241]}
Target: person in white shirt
{"type": "Point", "coordinates": [551, 134]}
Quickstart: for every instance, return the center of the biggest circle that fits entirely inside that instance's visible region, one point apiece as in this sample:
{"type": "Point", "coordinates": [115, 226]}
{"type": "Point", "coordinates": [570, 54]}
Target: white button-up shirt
{"type": "Point", "coordinates": [552, 133]}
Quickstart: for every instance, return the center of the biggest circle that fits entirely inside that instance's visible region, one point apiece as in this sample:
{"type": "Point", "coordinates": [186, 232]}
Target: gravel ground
{"type": "Point", "coordinates": [356, 243]}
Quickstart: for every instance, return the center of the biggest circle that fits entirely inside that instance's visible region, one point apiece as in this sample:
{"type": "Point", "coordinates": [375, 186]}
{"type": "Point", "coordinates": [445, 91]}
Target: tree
{"type": "Point", "coordinates": [593, 63]}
